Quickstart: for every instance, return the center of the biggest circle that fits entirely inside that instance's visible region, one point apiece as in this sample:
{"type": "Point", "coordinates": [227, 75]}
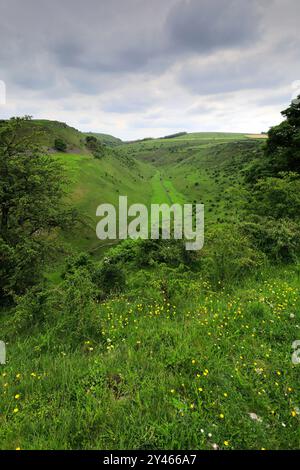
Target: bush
{"type": "Point", "coordinates": [20, 266]}
{"type": "Point", "coordinates": [67, 313]}
{"type": "Point", "coordinates": [95, 146]}
{"type": "Point", "coordinates": [170, 252]}
{"type": "Point", "coordinates": [279, 239]}
{"type": "Point", "coordinates": [145, 253]}
{"type": "Point", "coordinates": [109, 278]}
{"type": "Point", "coordinates": [60, 145]}
{"type": "Point", "coordinates": [278, 197]}
{"type": "Point", "coordinates": [81, 261]}
{"type": "Point", "coordinates": [228, 255]}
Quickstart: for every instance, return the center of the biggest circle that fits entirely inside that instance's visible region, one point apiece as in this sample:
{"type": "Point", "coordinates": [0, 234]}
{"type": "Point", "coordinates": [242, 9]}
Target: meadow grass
{"type": "Point", "coordinates": [202, 369]}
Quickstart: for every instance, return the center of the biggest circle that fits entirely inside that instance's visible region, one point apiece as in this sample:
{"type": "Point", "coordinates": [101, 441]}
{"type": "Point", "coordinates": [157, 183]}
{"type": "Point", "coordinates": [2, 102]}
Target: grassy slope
{"type": "Point", "coordinates": [162, 373]}
{"type": "Point", "coordinates": [51, 130]}
{"type": "Point", "coordinates": [94, 182]}
{"type": "Point", "coordinates": [182, 370]}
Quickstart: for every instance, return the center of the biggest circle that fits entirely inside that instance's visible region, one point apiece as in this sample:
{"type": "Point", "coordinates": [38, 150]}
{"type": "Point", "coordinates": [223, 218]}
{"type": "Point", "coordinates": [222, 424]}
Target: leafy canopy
{"type": "Point", "coordinates": [31, 194]}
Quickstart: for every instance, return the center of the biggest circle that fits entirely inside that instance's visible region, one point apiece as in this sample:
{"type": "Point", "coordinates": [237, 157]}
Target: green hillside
{"type": "Point", "coordinates": [51, 130]}
{"type": "Point", "coordinates": [94, 182]}
{"type": "Point", "coordinates": [47, 132]}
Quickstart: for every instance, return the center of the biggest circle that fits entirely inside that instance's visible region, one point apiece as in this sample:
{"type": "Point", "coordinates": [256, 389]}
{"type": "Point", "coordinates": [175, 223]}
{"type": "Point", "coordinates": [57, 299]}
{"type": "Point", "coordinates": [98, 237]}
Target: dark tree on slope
{"type": "Point", "coordinates": [31, 191]}
{"type": "Point", "coordinates": [283, 145]}
{"type": "Point", "coordinates": [282, 150]}
{"type": "Point", "coordinates": [96, 147]}
{"type": "Point", "coordinates": [274, 196]}
{"type": "Point", "coordinates": [60, 145]}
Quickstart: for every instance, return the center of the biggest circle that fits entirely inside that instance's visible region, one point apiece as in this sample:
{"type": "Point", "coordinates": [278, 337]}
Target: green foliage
{"type": "Point", "coordinates": [82, 261]}
{"type": "Point", "coordinates": [60, 145]}
{"type": "Point", "coordinates": [67, 310]}
{"type": "Point", "coordinates": [78, 294]}
{"type": "Point", "coordinates": [21, 265]}
{"type": "Point", "coordinates": [105, 139]}
{"type": "Point", "coordinates": [279, 239]}
{"type": "Point", "coordinates": [109, 277]}
{"type": "Point", "coordinates": [278, 197]}
{"type": "Point", "coordinates": [229, 256]}
{"type": "Point", "coordinates": [31, 192]}
{"type": "Point", "coordinates": [282, 150]}
{"type": "Point", "coordinates": [125, 252]}
{"type": "Point", "coordinates": [147, 253]}
{"type": "Point", "coordinates": [274, 192]}
{"type": "Point", "coordinates": [95, 146]}
{"type": "Point", "coordinates": [283, 145]}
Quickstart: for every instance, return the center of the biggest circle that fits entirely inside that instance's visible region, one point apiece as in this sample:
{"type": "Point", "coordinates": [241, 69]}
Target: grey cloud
{"type": "Point", "coordinates": [120, 36]}
{"type": "Point", "coordinates": [226, 75]}
{"type": "Point", "coordinates": [112, 53]}
{"type": "Point", "coordinates": [126, 106]}
{"type": "Point", "coordinates": [111, 37]}
{"type": "Point", "coordinates": [205, 25]}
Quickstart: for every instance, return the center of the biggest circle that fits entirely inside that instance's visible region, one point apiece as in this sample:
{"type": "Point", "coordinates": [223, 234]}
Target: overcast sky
{"type": "Point", "coordinates": [137, 68]}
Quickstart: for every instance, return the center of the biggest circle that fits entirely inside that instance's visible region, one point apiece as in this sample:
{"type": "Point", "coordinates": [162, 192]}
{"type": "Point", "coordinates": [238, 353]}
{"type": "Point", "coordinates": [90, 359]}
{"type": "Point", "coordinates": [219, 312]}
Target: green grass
{"type": "Point", "coordinates": [161, 373]}
{"type": "Point", "coordinates": [94, 182]}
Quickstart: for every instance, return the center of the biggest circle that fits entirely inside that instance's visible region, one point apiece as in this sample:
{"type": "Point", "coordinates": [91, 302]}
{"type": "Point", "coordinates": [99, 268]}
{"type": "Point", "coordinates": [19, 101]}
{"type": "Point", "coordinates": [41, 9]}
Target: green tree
{"type": "Point", "coordinates": [96, 147]}
{"type": "Point", "coordinates": [60, 145]}
{"type": "Point", "coordinates": [31, 192]}
{"type": "Point", "coordinates": [229, 255]}
{"type": "Point", "coordinates": [109, 277]}
{"type": "Point", "coordinates": [278, 197]}
{"type": "Point", "coordinates": [283, 145]}
{"type": "Point", "coordinates": [282, 149]}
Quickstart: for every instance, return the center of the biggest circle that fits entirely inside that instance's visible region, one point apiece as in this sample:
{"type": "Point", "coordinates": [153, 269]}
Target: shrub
{"type": "Point", "coordinates": [81, 261]}
{"type": "Point", "coordinates": [95, 146]}
{"type": "Point", "coordinates": [228, 255]}
{"type": "Point", "coordinates": [278, 197]}
{"type": "Point", "coordinates": [170, 252]}
{"type": "Point", "coordinates": [67, 312]}
{"type": "Point", "coordinates": [60, 145]}
{"type": "Point", "coordinates": [279, 239]}
{"type": "Point", "coordinates": [124, 252]}
{"type": "Point", "coordinates": [109, 278]}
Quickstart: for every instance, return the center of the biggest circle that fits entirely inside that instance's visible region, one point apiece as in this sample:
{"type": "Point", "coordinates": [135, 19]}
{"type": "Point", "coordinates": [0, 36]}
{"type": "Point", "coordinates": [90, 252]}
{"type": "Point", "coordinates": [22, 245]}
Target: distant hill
{"type": "Point", "coordinates": [49, 131]}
